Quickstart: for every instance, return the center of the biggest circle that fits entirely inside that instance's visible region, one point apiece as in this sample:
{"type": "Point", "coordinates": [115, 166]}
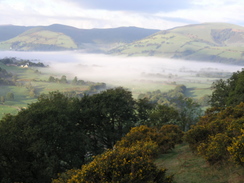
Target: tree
{"type": "Point", "coordinates": [2, 99]}
{"type": "Point", "coordinates": [110, 115]}
{"type": "Point", "coordinates": [63, 79]}
{"type": "Point", "coordinates": [143, 110]}
{"type": "Point", "coordinates": [75, 81]}
{"type": "Point", "coordinates": [162, 115]}
{"type": "Point", "coordinates": [10, 96]}
{"type": "Point", "coordinates": [51, 79]}
{"type": "Point", "coordinates": [219, 94]}
{"type": "Point", "coordinates": [189, 112]}
{"type": "Point", "coordinates": [229, 92]}
{"type": "Point", "coordinates": [45, 139]}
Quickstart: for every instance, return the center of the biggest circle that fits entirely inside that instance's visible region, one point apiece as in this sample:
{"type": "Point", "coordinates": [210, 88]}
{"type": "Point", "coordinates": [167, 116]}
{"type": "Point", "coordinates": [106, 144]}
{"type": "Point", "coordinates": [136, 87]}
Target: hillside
{"type": "Point", "coordinates": [61, 37]}
{"type": "Point", "coordinates": [216, 42]}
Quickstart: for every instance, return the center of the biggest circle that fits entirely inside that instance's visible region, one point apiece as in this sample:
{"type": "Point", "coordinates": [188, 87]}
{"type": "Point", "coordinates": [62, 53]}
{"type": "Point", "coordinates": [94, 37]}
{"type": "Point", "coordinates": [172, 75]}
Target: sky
{"type": "Point", "coordinates": [153, 14]}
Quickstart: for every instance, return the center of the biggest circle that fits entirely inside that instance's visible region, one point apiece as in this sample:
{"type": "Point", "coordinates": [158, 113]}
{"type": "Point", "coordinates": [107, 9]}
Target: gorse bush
{"type": "Point", "coordinates": [131, 160]}
{"type": "Point", "coordinates": [236, 149]}
{"type": "Point", "coordinates": [165, 138]}
{"type": "Point", "coordinates": [122, 165]}
{"type": "Point", "coordinates": [218, 136]}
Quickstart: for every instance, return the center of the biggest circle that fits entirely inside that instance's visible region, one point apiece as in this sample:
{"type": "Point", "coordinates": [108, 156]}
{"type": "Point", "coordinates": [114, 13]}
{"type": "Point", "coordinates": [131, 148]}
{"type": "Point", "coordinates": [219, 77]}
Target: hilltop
{"type": "Point", "coordinates": [62, 37]}
{"type": "Point", "coordinates": [216, 42]}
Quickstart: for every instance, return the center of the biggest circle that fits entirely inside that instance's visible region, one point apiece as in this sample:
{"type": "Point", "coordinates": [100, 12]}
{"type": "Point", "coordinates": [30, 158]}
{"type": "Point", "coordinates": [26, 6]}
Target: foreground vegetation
{"type": "Point", "coordinates": [111, 137]}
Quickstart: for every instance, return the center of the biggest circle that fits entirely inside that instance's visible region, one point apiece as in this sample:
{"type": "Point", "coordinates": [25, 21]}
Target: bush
{"type": "Point", "coordinates": [163, 138]}
{"type": "Point", "coordinates": [173, 132]}
{"type": "Point", "coordinates": [218, 136]}
{"type": "Point", "coordinates": [236, 149]}
{"type": "Point", "coordinates": [215, 149]}
{"type": "Point", "coordinates": [123, 164]}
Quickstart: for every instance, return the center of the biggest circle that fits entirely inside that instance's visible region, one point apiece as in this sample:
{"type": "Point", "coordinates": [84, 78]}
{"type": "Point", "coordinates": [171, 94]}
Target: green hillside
{"type": "Point", "coordinates": [38, 39]}
{"type": "Point", "coordinates": [62, 37]}
{"type": "Point", "coordinates": [217, 42]}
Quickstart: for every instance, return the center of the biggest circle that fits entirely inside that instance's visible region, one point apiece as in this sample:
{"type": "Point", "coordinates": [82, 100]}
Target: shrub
{"type": "Point", "coordinates": [122, 165]}
{"type": "Point", "coordinates": [236, 149]}
{"type": "Point", "coordinates": [215, 149]}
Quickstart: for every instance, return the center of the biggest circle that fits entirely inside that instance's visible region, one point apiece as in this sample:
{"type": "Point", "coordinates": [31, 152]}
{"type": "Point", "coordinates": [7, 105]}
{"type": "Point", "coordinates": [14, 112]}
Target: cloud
{"type": "Point", "coordinates": [135, 5]}
{"type": "Point", "coordinates": [157, 14]}
{"type": "Point", "coordinates": [229, 11]}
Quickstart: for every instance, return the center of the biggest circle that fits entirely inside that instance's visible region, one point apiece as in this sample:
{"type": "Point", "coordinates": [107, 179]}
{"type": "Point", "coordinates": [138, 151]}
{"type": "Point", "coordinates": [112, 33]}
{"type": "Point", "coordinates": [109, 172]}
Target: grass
{"type": "Point", "coordinates": [4, 109]}
{"type": "Point", "coordinates": [191, 168]}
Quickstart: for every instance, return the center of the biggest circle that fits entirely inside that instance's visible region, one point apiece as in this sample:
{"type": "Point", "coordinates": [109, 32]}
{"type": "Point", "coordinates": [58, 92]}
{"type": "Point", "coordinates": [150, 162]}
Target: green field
{"type": "Point", "coordinates": [197, 86]}
{"type": "Point", "coordinates": [38, 80]}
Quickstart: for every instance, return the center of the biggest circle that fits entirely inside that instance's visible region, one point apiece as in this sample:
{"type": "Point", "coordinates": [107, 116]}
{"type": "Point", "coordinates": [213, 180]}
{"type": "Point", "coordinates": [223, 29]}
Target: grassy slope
{"type": "Point", "coordinates": [194, 42]}
{"type": "Point", "coordinates": [36, 38]}
{"type": "Point", "coordinates": [190, 168]}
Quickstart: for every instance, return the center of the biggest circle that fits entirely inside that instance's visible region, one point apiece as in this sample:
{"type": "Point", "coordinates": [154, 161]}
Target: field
{"type": "Point", "coordinates": [151, 75]}
{"type": "Point", "coordinates": [38, 80]}
{"type": "Point", "coordinates": [191, 168]}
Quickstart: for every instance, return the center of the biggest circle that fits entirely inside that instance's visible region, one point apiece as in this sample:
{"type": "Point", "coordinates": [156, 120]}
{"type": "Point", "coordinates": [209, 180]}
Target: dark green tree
{"type": "Point", "coordinates": [10, 96]}
{"type": "Point", "coordinates": [229, 92]}
{"type": "Point", "coordinates": [189, 112]}
{"type": "Point", "coordinates": [110, 115]}
{"type": "Point", "coordinates": [2, 99]}
{"type": "Point", "coordinates": [162, 115]}
{"type": "Point", "coordinates": [143, 110]}
{"type": "Point", "coordinates": [45, 139]}
{"type": "Point", "coordinates": [51, 79]}
{"type": "Point", "coordinates": [74, 81]}
{"type": "Point", "coordinates": [63, 79]}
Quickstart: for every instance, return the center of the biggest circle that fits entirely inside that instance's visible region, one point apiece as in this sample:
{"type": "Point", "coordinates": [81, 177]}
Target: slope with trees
{"type": "Point", "coordinates": [218, 136]}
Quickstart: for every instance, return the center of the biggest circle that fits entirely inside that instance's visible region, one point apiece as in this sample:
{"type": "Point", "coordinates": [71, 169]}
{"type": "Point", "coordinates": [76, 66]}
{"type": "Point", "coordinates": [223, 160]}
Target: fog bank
{"type": "Point", "coordinates": [104, 68]}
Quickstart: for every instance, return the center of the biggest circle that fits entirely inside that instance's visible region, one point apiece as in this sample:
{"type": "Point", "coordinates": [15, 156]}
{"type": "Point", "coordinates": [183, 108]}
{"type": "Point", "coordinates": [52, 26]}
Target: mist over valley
{"type": "Point", "coordinates": [139, 74]}
{"type": "Point", "coordinates": [121, 91]}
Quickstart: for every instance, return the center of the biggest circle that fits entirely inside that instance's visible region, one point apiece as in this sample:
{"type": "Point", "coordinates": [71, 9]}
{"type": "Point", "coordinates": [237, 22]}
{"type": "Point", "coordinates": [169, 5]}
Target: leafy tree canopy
{"type": "Point", "coordinates": [228, 92]}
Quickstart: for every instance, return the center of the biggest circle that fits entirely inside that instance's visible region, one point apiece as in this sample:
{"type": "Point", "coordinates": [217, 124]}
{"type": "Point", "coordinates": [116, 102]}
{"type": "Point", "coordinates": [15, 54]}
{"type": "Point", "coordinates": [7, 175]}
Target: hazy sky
{"type": "Point", "coordinates": [158, 14]}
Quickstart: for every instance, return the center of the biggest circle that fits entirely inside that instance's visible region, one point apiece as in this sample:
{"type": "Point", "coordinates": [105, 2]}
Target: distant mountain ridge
{"type": "Point", "coordinates": [215, 42]}
{"type": "Point", "coordinates": [62, 37]}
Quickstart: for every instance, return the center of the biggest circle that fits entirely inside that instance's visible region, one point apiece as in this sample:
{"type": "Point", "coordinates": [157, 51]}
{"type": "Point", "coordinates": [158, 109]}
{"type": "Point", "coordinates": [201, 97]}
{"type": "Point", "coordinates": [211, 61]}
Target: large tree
{"type": "Point", "coordinates": [228, 92]}
{"type": "Point", "coordinates": [109, 115]}
{"type": "Point", "coordinates": [43, 140]}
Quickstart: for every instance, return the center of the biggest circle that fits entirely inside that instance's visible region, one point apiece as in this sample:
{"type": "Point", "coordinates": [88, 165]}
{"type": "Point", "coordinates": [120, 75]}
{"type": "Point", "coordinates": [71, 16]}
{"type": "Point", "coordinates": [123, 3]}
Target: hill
{"type": "Point", "coordinates": [62, 37]}
{"type": "Point", "coordinates": [216, 42]}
